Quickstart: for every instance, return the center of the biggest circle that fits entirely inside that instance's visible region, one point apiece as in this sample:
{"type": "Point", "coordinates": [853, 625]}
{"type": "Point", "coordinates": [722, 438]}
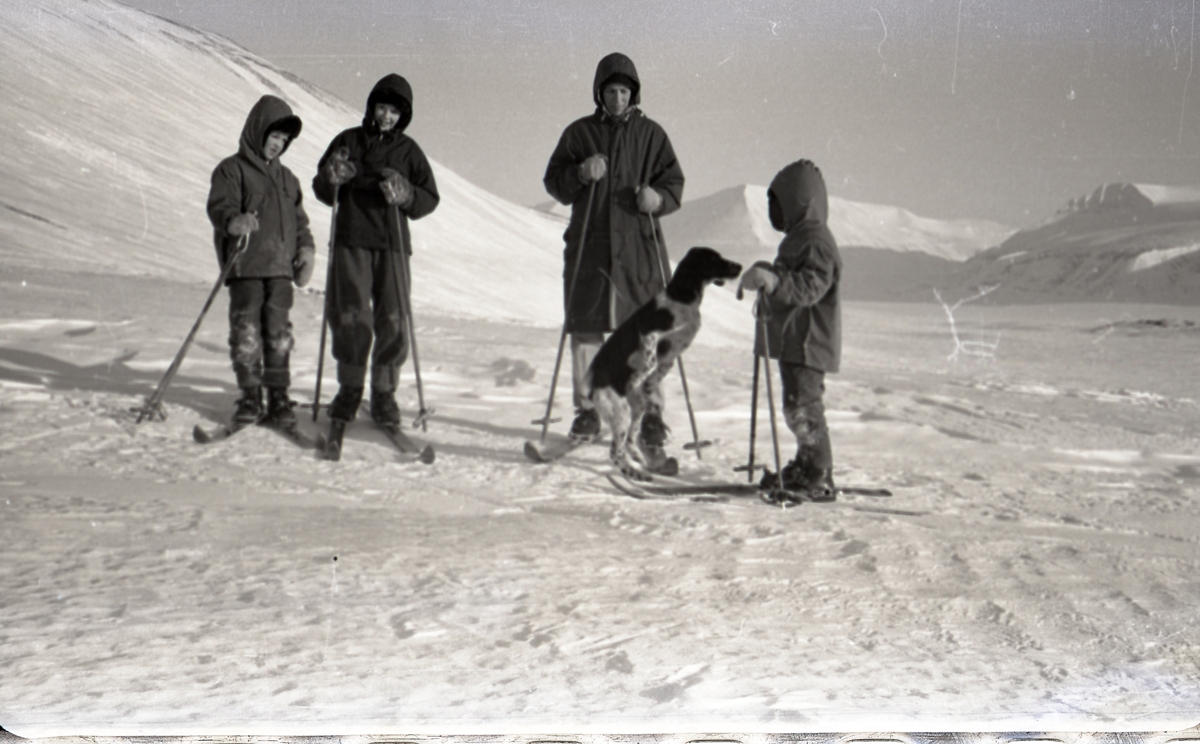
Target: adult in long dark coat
{"type": "Point", "coordinates": [629, 159]}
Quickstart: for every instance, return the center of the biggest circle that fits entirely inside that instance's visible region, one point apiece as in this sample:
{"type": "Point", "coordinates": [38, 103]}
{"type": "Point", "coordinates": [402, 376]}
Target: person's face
{"type": "Point", "coordinates": [386, 116]}
{"type": "Point", "coordinates": [274, 144]}
{"type": "Point", "coordinates": [616, 98]}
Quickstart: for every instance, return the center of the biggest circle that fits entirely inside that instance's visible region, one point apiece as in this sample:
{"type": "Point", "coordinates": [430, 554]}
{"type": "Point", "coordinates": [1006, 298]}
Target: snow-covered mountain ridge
{"type": "Point", "coordinates": [735, 221]}
{"type": "Point", "coordinates": [1122, 242]}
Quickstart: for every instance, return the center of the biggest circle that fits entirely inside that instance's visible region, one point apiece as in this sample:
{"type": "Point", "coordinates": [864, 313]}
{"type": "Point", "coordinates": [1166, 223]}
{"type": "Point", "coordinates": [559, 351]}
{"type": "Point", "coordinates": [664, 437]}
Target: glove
{"type": "Point", "coordinates": [396, 188]}
{"type": "Point", "coordinates": [593, 169]}
{"type": "Point", "coordinates": [303, 265]}
{"type": "Point", "coordinates": [242, 224]}
{"type": "Point", "coordinates": [759, 276]}
{"type": "Point", "coordinates": [339, 169]}
{"type": "Point", "coordinates": [648, 200]}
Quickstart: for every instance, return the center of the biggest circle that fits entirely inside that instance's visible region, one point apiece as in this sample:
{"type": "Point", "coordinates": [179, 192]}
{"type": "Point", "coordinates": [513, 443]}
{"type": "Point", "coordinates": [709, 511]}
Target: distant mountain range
{"type": "Point", "coordinates": [1122, 243]}
{"type": "Point", "coordinates": [886, 250]}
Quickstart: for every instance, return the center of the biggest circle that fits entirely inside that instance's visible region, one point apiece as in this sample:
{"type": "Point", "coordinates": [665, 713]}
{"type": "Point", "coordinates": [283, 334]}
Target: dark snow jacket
{"type": "Point", "coordinates": [620, 270]}
{"type": "Point", "coordinates": [804, 314]}
{"type": "Point", "coordinates": [362, 210]}
{"type": "Point", "coordinates": [247, 183]}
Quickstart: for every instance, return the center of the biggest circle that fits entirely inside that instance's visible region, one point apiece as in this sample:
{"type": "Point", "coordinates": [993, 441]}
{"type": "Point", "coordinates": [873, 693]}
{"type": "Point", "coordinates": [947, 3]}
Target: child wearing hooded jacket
{"type": "Point", "coordinates": [799, 303]}
{"type": "Point", "coordinates": [254, 196]}
{"type": "Point", "coordinates": [371, 170]}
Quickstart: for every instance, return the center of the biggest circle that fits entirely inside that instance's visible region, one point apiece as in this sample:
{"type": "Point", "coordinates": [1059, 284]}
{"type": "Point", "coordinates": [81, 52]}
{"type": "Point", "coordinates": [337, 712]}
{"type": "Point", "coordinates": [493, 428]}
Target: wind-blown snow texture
{"type": "Point", "coordinates": [1035, 569]}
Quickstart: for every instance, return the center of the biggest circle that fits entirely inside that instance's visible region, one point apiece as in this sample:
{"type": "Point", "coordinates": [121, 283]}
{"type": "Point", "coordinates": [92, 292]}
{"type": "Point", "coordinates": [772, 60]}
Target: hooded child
{"type": "Point", "coordinates": [803, 320]}
{"type": "Point", "coordinates": [373, 169]}
{"type": "Point", "coordinates": [255, 197]}
{"type": "Point", "coordinates": [628, 160]}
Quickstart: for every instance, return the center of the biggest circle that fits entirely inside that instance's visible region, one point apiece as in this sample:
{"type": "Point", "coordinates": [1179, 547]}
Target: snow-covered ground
{"type": "Point", "coordinates": [1034, 569]}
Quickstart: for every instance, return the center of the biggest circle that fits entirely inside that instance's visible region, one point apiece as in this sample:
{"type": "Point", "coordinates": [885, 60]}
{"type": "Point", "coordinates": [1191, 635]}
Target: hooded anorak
{"type": "Point", "coordinates": [621, 269]}
{"type": "Point", "coordinates": [804, 322]}
{"type": "Point", "coordinates": [247, 182]}
{"type": "Point", "coordinates": [362, 220]}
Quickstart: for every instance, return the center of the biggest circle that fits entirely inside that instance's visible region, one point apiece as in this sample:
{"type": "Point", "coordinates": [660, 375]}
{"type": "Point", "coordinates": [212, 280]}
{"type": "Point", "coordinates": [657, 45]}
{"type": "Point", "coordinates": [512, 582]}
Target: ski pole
{"type": "Point", "coordinates": [762, 326]}
{"type": "Point", "coordinates": [695, 444]}
{"type": "Point", "coordinates": [749, 466]}
{"type": "Point", "coordinates": [400, 272]}
{"type": "Point", "coordinates": [152, 408]}
{"type": "Point", "coordinates": [562, 340]}
{"type": "Point", "coordinates": [325, 309]}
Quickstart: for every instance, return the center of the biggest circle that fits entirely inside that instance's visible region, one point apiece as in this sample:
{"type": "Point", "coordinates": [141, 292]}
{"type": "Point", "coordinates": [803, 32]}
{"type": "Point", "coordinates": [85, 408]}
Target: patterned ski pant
{"type": "Point", "coordinates": [260, 333]}
{"type": "Point", "coordinates": [804, 411]}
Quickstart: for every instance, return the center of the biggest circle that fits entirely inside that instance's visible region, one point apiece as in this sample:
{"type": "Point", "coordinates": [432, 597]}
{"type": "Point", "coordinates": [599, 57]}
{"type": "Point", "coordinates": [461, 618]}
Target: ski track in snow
{"type": "Point", "coordinates": [1036, 566]}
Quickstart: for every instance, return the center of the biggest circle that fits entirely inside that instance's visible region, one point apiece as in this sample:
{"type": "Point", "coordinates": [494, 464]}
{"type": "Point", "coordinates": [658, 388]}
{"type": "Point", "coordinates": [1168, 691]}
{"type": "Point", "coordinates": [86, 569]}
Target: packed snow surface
{"type": "Point", "coordinates": [1033, 570]}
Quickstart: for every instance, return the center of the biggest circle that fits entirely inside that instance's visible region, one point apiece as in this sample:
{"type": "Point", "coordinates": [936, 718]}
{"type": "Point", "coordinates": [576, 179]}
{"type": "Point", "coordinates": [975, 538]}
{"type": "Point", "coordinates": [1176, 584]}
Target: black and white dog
{"type": "Point", "coordinates": [625, 375]}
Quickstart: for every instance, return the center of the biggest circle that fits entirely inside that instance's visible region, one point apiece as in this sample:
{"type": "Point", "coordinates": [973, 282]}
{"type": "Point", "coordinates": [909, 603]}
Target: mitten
{"type": "Point", "coordinates": [242, 224]}
{"type": "Point", "coordinates": [648, 200]}
{"type": "Point", "coordinates": [593, 169]}
{"type": "Point", "coordinates": [303, 265]}
{"type": "Point", "coordinates": [396, 188]}
{"type": "Point", "coordinates": [339, 169]}
{"type": "Point", "coordinates": [759, 276]}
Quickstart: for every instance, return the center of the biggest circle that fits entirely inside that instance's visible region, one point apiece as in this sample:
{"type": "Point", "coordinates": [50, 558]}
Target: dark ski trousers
{"type": "Point", "coordinates": [804, 412]}
{"type": "Point", "coordinates": [367, 318]}
{"type": "Point", "coordinates": [260, 334]}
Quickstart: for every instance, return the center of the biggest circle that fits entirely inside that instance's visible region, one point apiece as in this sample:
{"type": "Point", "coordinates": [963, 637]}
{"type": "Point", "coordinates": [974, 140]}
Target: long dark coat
{"type": "Point", "coordinates": [620, 270]}
{"type": "Point", "coordinates": [245, 182]}
{"type": "Point", "coordinates": [804, 313]}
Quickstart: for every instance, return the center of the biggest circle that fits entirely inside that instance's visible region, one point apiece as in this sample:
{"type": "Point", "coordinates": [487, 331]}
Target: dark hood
{"type": "Point", "coordinates": [797, 197]}
{"type": "Point", "coordinates": [269, 114]}
{"type": "Point", "coordinates": [616, 64]}
{"type": "Point", "coordinates": [391, 89]}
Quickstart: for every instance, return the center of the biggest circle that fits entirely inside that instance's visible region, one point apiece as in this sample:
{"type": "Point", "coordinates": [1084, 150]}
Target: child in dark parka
{"type": "Point", "coordinates": [803, 320]}
{"type": "Point", "coordinates": [373, 170]}
{"type": "Point", "coordinates": [253, 196]}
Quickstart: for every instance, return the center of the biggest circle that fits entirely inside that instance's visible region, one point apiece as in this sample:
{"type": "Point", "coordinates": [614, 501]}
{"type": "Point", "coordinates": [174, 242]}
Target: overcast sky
{"type": "Point", "coordinates": [997, 109]}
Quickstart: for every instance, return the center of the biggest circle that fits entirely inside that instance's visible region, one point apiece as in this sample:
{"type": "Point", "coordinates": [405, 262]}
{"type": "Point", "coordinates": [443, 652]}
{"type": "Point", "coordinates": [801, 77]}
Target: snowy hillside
{"type": "Point", "coordinates": [106, 161]}
{"type": "Point", "coordinates": [735, 220]}
{"type": "Point", "coordinates": [1122, 242]}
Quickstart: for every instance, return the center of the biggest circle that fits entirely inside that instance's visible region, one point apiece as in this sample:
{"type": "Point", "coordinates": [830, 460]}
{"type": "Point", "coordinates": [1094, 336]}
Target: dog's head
{"type": "Point", "coordinates": [699, 267]}
{"type": "Point", "coordinates": [709, 266]}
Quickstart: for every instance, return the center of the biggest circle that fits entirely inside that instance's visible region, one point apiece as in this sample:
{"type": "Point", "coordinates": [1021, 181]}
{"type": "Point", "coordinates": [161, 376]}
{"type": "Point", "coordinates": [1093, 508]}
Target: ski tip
{"type": "Point", "coordinates": [533, 453]}
{"type": "Point", "coordinates": [428, 455]}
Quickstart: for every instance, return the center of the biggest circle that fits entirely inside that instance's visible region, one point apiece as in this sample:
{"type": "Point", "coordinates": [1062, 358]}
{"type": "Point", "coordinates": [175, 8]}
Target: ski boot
{"type": "Point", "coordinates": [586, 425]}
{"type": "Point", "coordinates": [280, 413]}
{"type": "Point", "coordinates": [650, 441]}
{"type": "Point", "coordinates": [801, 481]}
{"type": "Point", "coordinates": [342, 411]}
{"type": "Point", "coordinates": [249, 410]}
{"type": "Point", "coordinates": [385, 412]}
{"type": "Point", "coordinates": [820, 485]}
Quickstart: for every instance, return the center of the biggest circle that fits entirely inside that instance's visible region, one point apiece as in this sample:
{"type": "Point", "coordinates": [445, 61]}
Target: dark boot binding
{"type": "Point", "coordinates": [249, 410]}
